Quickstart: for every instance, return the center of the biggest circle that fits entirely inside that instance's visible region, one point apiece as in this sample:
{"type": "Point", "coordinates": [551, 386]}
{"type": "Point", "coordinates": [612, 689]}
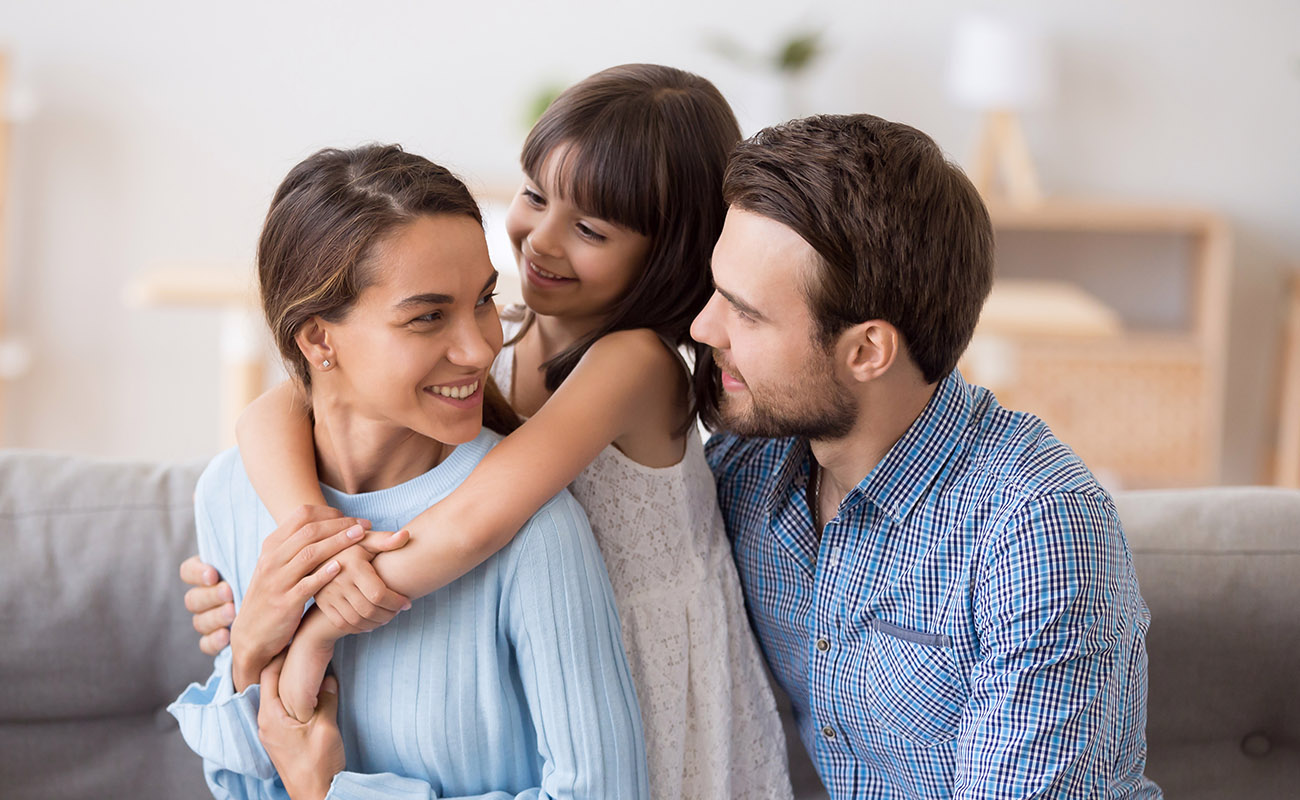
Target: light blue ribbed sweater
{"type": "Point", "coordinates": [510, 682]}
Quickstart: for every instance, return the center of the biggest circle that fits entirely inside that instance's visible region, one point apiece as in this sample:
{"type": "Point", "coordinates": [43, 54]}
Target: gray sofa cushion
{"type": "Point", "coordinates": [95, 639]}
{"type": "Point", "coordinates": [1220, 570]}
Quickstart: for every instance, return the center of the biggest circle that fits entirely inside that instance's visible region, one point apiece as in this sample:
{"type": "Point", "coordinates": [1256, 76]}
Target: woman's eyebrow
{"type": "Point", "coordinates": [436, 299]}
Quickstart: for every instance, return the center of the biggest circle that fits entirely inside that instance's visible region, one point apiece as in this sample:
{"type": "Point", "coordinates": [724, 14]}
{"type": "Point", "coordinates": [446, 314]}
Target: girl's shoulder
{"type": "Point", "coordinates": [641, 348]}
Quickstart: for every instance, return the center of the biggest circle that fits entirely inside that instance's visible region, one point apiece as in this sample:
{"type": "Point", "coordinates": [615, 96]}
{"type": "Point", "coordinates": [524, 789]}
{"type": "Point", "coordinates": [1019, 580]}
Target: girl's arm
{"type": "Point", "coordinates": [275, 443]}
{"type": "Point", "coordinates": [626, 380]}
{"type": "Point", "coordinates": [279, 455]}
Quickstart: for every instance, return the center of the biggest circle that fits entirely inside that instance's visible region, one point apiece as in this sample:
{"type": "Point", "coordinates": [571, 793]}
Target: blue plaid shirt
{"type": "Point", "coordinates": [968, 625]}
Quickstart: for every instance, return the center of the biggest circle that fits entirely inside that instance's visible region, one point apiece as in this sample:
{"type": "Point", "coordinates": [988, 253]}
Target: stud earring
{"type": "Point", "coordinates": [325, 364]}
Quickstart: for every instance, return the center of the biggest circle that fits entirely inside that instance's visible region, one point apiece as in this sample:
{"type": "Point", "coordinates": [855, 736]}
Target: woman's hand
{"type": "Point", "coordinates": [297, 559]}
{"type": "Point", "coordinates": [210, 601]}
{"type": "Point", "coordinates": [306, 754]}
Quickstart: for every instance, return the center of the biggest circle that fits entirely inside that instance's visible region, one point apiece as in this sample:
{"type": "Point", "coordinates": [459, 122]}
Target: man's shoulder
{"type": "Point", "coordinates": [1026, 458]}
{"type": "Point", "coordinates": [730, 455]}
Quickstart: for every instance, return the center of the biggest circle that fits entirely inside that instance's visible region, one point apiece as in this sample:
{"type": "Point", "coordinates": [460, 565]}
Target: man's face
{"type": "Point", "coordinates": [777, 378]}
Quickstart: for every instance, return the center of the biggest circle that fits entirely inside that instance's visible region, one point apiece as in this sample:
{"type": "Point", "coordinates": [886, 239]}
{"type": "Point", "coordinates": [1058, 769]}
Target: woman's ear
{"type": "Point", "coordinates": [313, 340]}
{"type": "Point", "coordinates": [867, 350]}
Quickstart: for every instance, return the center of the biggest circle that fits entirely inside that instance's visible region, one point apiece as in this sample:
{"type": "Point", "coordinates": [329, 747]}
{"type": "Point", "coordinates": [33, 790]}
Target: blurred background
{"type": "Point", "coordinates": [1140, 158]}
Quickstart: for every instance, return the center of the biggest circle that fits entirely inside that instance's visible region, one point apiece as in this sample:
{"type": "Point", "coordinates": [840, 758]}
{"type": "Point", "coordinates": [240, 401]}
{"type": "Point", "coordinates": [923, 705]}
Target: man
{"type": "Point", "coordinates": [939, 584]}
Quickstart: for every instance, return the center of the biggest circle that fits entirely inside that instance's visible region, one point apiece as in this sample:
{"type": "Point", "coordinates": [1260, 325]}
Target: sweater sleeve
{"type": "Point", "coordinates": [563, 623]}
{"type": "Point", "coordinates": [217, 722]}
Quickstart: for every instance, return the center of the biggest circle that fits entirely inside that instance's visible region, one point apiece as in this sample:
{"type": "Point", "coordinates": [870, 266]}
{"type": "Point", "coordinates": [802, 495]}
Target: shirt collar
{"type": "Point", "coordinates": [921, 457]}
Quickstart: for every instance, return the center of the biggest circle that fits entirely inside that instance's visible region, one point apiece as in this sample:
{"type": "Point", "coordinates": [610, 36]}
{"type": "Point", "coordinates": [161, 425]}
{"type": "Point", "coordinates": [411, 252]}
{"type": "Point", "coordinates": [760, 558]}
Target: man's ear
{"type": "Point", "coordinates": [313, 340]}
{"type": "Point", "coordinates": [867, 350]}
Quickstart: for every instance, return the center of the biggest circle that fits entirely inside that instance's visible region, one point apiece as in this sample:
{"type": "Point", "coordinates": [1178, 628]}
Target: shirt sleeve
{"type": "Point", "coordinates": [1061, 626]}
{"type": "Point", "coordinates": [563, 623]}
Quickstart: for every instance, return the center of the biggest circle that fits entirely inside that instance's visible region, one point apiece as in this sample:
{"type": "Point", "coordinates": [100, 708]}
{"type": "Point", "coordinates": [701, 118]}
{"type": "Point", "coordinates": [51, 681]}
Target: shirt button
{"type": "Point", "coordinates": [823, 645]}
{"type": "Point", "coordinates": [828, 732]}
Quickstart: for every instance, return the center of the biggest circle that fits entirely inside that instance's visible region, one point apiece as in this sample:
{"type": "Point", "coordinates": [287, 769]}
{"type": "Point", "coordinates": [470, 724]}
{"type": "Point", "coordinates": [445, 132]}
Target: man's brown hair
{"type": "Point", "coordinates": [901, 234]}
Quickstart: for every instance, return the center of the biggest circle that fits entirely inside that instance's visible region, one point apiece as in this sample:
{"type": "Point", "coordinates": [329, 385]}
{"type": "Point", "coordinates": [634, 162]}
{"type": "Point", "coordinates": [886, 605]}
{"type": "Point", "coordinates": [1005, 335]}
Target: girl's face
{"type": "Point", "coordinates": [415, 348]}
{"type": "Point", "coordinates": [571, 264]}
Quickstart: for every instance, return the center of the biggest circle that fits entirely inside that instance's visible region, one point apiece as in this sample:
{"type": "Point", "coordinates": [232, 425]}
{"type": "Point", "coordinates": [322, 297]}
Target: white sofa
{"type": "Point", "coordinates": [94, 641]}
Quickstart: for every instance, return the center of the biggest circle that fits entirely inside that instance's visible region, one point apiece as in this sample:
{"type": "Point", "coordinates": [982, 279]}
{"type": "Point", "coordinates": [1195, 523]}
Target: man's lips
{"type": "Point", "coordinates": [731, 382]}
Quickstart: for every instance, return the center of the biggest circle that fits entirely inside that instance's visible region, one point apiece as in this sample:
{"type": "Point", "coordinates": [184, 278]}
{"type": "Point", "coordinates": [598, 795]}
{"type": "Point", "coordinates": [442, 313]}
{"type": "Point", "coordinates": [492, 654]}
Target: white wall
{"type": "Point", "coordinates": [161, 128]}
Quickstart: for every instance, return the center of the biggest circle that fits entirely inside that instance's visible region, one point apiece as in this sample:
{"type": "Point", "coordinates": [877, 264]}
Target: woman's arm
{"type": "Point", "coordinates": [275, 443]}
{"type": "Point", "coordinates": [626, 379]}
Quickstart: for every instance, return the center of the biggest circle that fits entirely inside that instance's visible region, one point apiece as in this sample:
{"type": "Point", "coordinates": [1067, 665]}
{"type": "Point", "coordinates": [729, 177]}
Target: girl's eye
{"type": "Point", "coordinates": [486, 299]}
{"type": "Point", "coordinates": [432, 316]}
{"type": "Point", "coordinates": [532, 197]}
{"type": "Point", "coordinates": [587, 233]}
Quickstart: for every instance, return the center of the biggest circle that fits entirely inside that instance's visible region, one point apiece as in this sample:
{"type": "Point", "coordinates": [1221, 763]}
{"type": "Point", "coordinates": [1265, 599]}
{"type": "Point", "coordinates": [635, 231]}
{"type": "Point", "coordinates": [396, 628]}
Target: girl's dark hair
{"type": "Point", "coordinates": [646, 147]}
{"type": "Point", "coordinates": [314, 255]}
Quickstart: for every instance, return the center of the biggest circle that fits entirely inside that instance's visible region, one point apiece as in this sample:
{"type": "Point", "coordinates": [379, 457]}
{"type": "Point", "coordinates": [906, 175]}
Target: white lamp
{"type": "Point", "coordinates": [1000, 68]}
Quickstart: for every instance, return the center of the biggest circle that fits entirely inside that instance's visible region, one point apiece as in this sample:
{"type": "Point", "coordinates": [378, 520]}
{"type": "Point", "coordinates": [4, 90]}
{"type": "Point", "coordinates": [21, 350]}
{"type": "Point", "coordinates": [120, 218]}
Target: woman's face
{"type": "Point", "coordinates": [415, 349]}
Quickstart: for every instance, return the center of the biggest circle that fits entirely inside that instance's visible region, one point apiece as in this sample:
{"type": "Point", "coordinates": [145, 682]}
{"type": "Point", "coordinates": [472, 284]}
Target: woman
{"type": "Point", "coordinates": [511, 681]}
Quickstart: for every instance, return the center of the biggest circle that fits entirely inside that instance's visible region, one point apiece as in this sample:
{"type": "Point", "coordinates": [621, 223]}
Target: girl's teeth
{"type": "Point", "coordinates": [546, 274]}
{"type": "Point", "coordinates": [457, 392]}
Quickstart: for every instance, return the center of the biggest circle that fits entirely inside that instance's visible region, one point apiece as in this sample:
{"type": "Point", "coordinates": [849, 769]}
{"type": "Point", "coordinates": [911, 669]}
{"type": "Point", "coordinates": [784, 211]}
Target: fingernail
{"type": "Point", "coordinates": [407, 607]}
{"type": "Point", "coordinates": [227, 593]}
{"type": "Point", "coordinates": [333, 566]}
{"type": "Point", "coordinates": [355, 532]}
{"type": "Point", "coordinates": [228, 615]}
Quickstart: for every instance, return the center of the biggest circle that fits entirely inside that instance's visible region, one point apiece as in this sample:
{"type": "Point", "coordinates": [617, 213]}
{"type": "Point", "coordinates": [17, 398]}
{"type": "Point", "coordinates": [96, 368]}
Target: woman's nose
{"type": "Point", "coordinates": [471, 347]}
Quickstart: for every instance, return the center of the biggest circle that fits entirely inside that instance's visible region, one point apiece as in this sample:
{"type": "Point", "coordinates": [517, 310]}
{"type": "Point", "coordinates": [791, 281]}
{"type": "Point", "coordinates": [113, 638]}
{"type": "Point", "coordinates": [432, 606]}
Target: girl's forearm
{"type": "Point", "coordinates": [279, 455]}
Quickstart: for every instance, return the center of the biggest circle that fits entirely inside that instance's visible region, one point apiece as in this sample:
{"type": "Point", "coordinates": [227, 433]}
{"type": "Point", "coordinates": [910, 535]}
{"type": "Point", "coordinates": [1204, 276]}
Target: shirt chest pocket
{"type": "Point", "coordinates": [912, 686]}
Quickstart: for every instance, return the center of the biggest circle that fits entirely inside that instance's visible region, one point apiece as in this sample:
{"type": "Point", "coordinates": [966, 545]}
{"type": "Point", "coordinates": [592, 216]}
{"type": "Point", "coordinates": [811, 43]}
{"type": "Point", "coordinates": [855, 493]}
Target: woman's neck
{"type": "Point", "coordinates": [356, 455]}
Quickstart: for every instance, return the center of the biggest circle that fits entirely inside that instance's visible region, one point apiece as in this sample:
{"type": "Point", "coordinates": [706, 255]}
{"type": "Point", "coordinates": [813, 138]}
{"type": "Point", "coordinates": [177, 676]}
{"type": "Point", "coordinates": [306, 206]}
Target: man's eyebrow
{"type": "Point", "coordinates": [740, 304]}
{"type": "Point", "coordinates": [436, 299]}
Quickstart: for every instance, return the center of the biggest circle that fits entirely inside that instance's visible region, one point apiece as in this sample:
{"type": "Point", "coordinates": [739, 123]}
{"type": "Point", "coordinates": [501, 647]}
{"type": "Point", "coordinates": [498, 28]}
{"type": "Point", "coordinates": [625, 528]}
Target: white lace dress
{"type": "Point", "coordinates": [711, 726]}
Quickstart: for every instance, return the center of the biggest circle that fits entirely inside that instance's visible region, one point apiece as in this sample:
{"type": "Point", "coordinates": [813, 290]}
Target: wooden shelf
{"type": "Point", "coordinates": [1145, 408]}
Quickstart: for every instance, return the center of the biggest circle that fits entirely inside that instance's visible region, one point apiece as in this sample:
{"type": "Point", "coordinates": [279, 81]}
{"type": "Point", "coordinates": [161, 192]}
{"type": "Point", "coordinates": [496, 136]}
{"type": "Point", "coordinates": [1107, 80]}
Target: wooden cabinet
{"type": "Point", "coordinates": [1141, 403]}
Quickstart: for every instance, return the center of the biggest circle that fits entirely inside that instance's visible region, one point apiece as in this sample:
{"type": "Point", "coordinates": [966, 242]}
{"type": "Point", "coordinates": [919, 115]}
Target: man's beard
{"type": "Point", "coordinates": [827, 411]}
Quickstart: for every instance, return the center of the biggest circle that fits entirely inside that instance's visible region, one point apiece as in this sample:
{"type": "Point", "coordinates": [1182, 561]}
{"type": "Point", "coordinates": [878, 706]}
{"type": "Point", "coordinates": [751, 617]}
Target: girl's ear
{"type": "Point", "coordinates": [313, 340]}
{"type": "Point", "coordinates": [867, 350]}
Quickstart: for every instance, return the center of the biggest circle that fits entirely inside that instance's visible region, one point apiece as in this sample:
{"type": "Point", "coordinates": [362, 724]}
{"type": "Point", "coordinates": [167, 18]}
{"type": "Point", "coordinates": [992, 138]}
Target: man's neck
{"type": "Point", "coordinates": [357, 455]}
{"type": "Point", "coordinates": [888, 407]}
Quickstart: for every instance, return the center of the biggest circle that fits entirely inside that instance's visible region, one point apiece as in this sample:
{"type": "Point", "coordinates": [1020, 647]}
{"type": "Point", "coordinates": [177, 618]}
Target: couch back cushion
{"type": "Point", "coordinates": [96, 640]}
{"type": "Point", "coordinates": [1220, 570]}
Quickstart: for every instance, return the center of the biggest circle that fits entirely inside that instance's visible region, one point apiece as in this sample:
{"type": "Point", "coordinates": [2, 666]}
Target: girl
{"type": "Point", "coordinates": [375, 278]}
{"type": "Point", "coordinates": [612, 232]}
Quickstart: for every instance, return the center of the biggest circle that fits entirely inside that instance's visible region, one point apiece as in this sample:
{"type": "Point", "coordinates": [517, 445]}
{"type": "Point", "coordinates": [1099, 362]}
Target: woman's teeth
{"type": "Point", "coordinates": [456, 392]}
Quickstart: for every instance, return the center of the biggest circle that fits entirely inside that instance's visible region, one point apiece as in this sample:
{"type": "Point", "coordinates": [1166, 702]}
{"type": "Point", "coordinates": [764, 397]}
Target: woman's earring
{"type": "Point", "coordinates": [325, 364]}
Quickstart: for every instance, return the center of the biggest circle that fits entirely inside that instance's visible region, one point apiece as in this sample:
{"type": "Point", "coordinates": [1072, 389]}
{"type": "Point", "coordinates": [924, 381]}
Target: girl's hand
{"type": "Point", "coordinates": [297, 559]}
{"type": "Point", "coordinates": [358, 600]}
{"type": "Point", "coordinates": [306, 754]}
{"type": "Point", "coordinates": [211, 602]}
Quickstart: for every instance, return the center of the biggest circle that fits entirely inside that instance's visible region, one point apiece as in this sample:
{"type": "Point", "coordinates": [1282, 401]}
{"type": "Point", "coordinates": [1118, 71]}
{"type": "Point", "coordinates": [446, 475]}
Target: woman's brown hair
{"type": "Point", "coordinates": [644, 146]}
{"type": "Point", "coordinates": [314, 255]}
